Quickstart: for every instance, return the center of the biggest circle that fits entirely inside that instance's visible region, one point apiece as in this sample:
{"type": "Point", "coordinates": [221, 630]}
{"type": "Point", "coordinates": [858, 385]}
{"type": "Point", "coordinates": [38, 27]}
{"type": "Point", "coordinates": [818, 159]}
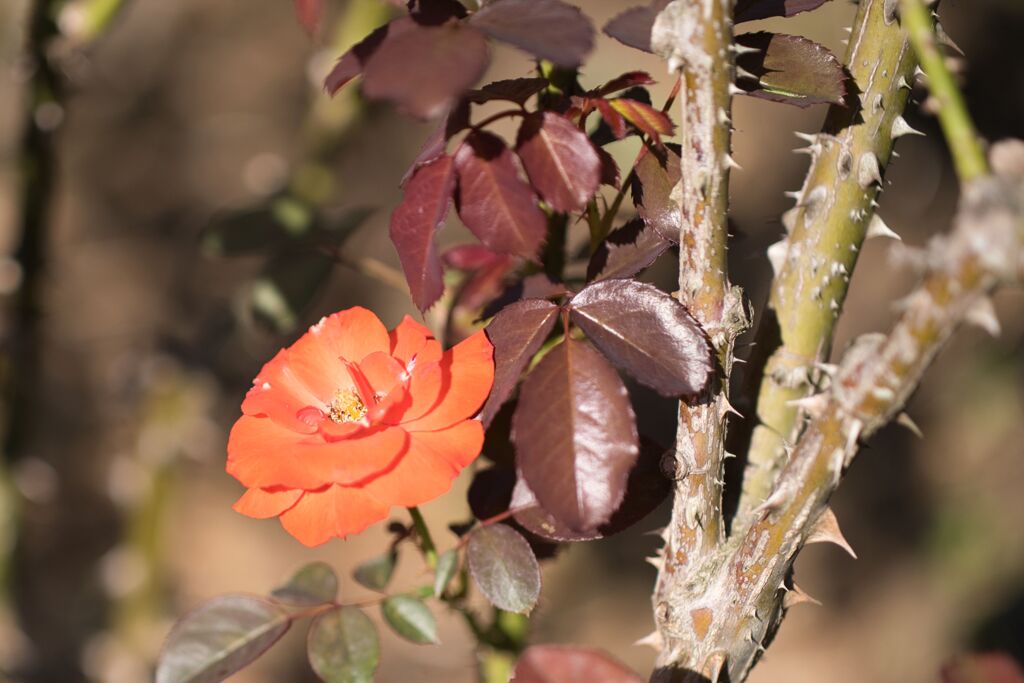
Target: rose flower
{"type": "Point", "coordinates": [351, 420]}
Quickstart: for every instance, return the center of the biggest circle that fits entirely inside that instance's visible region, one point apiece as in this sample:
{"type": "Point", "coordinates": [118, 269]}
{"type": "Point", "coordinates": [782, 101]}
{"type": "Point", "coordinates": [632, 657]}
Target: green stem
{"type": "Point", "coordinates": [964, 143]}
{"type": "Point", "coordinates": [427, 546]}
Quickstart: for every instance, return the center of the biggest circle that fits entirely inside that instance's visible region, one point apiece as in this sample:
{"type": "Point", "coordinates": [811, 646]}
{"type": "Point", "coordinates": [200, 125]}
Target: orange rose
{"type": "Point", "coordinates": [351, 420]}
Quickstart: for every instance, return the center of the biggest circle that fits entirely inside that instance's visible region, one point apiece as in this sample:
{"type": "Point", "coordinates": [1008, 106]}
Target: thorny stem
{"type": "Point", "coordinates": [426, 542]}
{"type": "Point", "coordinates": [876, 377]}
{"type": "Point", "coordinates": [695, 36]}
{"type": "Point", "coordinates": [834, 214]}
{"type": "Point", "coordinates": [964, 143]}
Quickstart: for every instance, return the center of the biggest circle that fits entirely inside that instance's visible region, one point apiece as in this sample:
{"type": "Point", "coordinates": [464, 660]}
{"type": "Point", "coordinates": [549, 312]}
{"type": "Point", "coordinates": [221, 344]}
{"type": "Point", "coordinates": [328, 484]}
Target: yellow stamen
{"type": "Point", "coordinates": [347, 407]}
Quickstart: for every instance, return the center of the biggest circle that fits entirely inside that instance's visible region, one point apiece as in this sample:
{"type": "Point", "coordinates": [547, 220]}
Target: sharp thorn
{"type": "Point", "coordinates": [900, 127]}
{"type": "Point", "coordinates": [983, 314]}
{"type": "Point", "coordinates": [796, 596]}
{"type": "Point", "coordinates": [905, 420]}
{"type": "Point", "coordinates": [826, 530]}
{"type": "Point", "coordinates": [878, 228]}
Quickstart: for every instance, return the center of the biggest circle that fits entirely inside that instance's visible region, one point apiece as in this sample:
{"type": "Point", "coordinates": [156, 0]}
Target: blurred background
{"type": "Point", "coordinates": [177, 251]}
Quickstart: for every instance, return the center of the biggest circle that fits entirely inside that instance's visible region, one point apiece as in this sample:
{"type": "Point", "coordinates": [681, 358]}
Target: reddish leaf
{"type": "Point", "coordinates": [633, 26]}
{"type": "Point", "coordinates": [609, 169]}
{"type": "Point", "coordinates": [560, 160]}
{"type": "Point", "coordinates": [488, 270]}
{"type": "Point", "coordinates": [517, 333]}
{"type": "Point", "coordinates": [436, 144]}
{"type": "Point", "coordinates": [493, 201]}
{"type": "Point", "coordinates": [791, 69]}
{"type": "Point", "coordinates": [655, 187]}
{"type": "Point", "coordinates": [547, 29]}
{"type": "Point", "coordinates": [414, 225]}
{"type": "Point", "coordinates": [436, 12]}
{"type": "Point", "coordinates": [612, 117]}
{"type": "Point", "coordinates": [645, 117]}
{"type": "Point", "coordinates": [352, 63]}
{"type": "Point", "coordinates": [626, 252]}
{"type": "Point", "coordinates": [504, 567]}
{"type": "Point", "coordinates": [536, 286]}
{"type": "Point", "coordinates": [424, 69]}
{"type": "Point", "coordinates": [470, 257]}
{"type": "Point", "coordinates": [575, 435]}
{"type": "Point", "coordinates": [991, 667]}
{"type": "Point", "coordinates": [627, 80]}
{"type": "Point", "coordinates": [516, 90]}
{"type": "Point", "coordinates": [646, 488]}
{"type": "Point", "coordinates": [310, 13]}
{"type": "Point", "coordinates": [647, 333]}
{"type": "Point", "coordinates": [749, 10]}
{"type": "Point", "coordinates": [569, 664]}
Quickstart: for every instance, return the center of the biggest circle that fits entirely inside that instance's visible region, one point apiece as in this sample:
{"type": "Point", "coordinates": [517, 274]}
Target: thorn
{"type": "Point", "coordinates": [652, 639]}
{"type": "Point", "coordinates": [729, 162]}
{"type": "Point", "coordinates": [743, 73]}
{"type": "Point", "coordinates": [826, 530]}
{"type": "Point", "coordinates": [789, 219]}
{"type": "Point", "coordinates": [900, 127]}
{"type": "Point", "coordinates": [713, 666]}
{"type": "Point", "coordinates": [796, 596]}
{"type": "Point", "coordinates": [809, 150]}
{"type": "Point", "coordinates": [777, 255]}
{"type": "Point", "coordinates": [903, 83]}
{"type": "Point", "coordinates": [868, 171]}
{"type": "Point", "coordinates": [655, 561]}
{"type": "Point", "coordinates": [772, 502]}
{"type": "Point", "coordinates": [829, 369]}
{"type": "Point", "coordinates": [809, 138]}
{"type": "Point", "coordinates": [905, 420]}
{"type": "Point", "coordinates": [733, 90]}
{"type": "Point", "coordinates": [794, 195]}
{"type": "Point", "coordinates": [813, 405]}
{"type": "Point", "coordinates": [944, 38]}
{"type": "Point", "coordinates": [729, 408]}
{"type": "Point", "coordinates": [983, 314]}
{"type": "Point", "coordinates": [815, 196]}
{"type": "Point", "coordinates": [878, 228]}
{"type": "Point", "coordinates": [742, 49]}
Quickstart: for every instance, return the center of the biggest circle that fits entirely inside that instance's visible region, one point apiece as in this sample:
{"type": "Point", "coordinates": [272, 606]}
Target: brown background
{"type": "Point", "coordinates": [188, 108]}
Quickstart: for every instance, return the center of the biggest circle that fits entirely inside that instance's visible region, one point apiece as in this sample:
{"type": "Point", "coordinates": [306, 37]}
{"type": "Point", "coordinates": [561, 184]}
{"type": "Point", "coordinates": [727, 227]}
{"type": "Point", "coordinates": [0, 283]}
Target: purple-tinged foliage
{"type": "Point", "coordinates": [575, 435]}
{"type": "Point", "coordinates": [647, 333]}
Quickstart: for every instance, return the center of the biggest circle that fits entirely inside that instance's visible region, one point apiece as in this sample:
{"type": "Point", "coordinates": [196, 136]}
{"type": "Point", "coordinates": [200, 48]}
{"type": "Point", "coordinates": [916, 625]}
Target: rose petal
{"type": "Point", "coordinates": [264, 504]}
{"type": "Point", "coordinates": [277, 393]}
{"type": "Point", "coordinates": [316, 358]}
{"type": "Point", "coordinates": [382, 371]}
{"type": "Point", "coordinates": [430, 464]}
{"type": "Point", "coordinates": [262, 454]}
{"type": "Point", "coordinates": [407, 339]}
{"type": "Point", "coordinates": [334, 512]}
{"type": "Point", "coordinates": [457, 392]}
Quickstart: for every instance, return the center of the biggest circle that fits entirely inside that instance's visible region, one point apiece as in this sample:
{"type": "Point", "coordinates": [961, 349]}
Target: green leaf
{"type": "Point", "coordinates": [411, 619]}
{"type": "Point", "coordinates": [219, 638]}
{"type": "Point", "coordinates": [314, 584]}
{"type": "Point", "coordinates": [287, 287]}
{"type": "Point", "coordinates": [504, 567]}
{"type": "Point", "coordinates": [447, 564]}
{"type": "Point", "coordinates": [241, 232]}
{"type": "Point", "coordinates": [375, 573]}
{"type": "Point", "coordinates": [343, 646]}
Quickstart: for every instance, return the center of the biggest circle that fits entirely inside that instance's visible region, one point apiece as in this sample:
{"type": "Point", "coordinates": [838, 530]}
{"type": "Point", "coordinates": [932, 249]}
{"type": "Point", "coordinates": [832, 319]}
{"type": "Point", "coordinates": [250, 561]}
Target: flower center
{"type": "Point", "coordinates": [347, 407]}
